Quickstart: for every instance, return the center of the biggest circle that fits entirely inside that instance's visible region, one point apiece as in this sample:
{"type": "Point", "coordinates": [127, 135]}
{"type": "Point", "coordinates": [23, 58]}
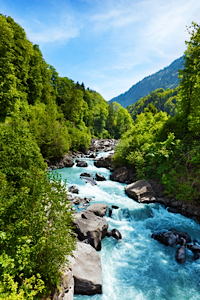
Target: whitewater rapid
{"type": "Point", "coordinates": [138, 267]}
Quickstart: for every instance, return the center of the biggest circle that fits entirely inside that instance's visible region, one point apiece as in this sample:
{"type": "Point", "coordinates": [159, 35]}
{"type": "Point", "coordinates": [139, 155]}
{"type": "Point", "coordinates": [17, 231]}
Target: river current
{"type": "Point", "coordinates": [138, 267]}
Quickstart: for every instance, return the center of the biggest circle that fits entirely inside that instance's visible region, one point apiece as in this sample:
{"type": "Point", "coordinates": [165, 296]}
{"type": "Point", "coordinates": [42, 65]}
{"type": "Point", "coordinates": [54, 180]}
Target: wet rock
{"type": "Point", "coordinates": [73, 189]}
{"type": "Point", "coordinates": [90, 226]}
{"type": "Point", "coordinates": [99, 209]}
{"type": "Point", "coordinates": [100, 177]}
{"type": "Point", "coordinates": [123, 175]}
{"type": "Point", "coordinates": [104, 162]}
{"type": "Point", "coordinates": [172, 237]}
{"type": "Point", "coordinates": [166, 238]}
{"type": "Point", "coordinates": [108, 233]}
{"type": "Point", "coordinates": [141, 191]}
{"type": "Point", "coordinates": [64, 162]}
{"type": "Point", "coordinates": [173, 210]}
{"type": "Point", "coordinates": [87, 270]}
{"type": "Point", "coordinates": [195, 249]}
{"type": "Point", "coordinates": [115, 206]}
{"type": "Point", "coordinates": [109, 212]}
{"type": "Point", "coordinates": [89, 180]}
{"type": "Point", "coordinates": [180, 253]}
{"type": "Point", "coordinates": [85, 174]}
{"type": "Point", "coordinates": [116, 234]}
{"type": "Point", "coordinates": [82, 164]}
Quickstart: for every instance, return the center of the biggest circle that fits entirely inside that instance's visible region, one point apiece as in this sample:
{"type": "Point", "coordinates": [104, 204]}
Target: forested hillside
{"type": "Point", "coordinates": [60, 113]}
{"type": "Point", "coordinates": [167, 148]}
{"type": "Point", "coordinates": [42, 115]}
{"type": "Point", "coordinates": [161, 99]}
{"type": "Point", "coordinates": [166, 79]}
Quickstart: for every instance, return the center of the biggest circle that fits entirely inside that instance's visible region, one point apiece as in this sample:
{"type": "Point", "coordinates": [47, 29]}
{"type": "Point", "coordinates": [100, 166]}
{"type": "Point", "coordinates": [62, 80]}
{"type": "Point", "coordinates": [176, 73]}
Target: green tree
{"type": "Point", "coordinates": [189, 100]}
{"type": "Point", "coordinates": [35, 215]}
{"type": "Point", "coordinates": [50, 133]}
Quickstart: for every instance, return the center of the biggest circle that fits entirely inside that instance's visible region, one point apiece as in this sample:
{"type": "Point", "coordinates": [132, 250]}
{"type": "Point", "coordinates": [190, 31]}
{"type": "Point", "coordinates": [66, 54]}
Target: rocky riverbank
{"type": "Point", "coordinates": [91, 225]}
{"type": "Point", "coordinates": [96, 146]}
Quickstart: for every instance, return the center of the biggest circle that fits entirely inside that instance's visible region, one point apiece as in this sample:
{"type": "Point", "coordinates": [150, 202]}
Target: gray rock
{"type": "Point", "coordinates": [86, 175]}
{"type": "Point", "coordinates": [67, 161]}
{"type": "Point", "coordinates": [123, 175]}
{"type": "Point", "coordinates": [81, 163]}
{"type": "Point", "coordinates": [120, 175]}
{"type": "Point", "coordinates": [141, 191]}
{"type": "Point", "coordinates": [100, 177]}
{"type": "Point", "coordinates": [78, 200]}
{"type": "Point", "coordinates": [99, 209]}
{"type": "Point", "coordinates": [91, 227]}
{"type": "Point", "coordinates": [66, 287]}
{"type": "Point", "coordinates": [87, 271]}
{"type": "Point", "coordinates": [104, 162]}
{"type": "Point", "coordinates": [73, 189]}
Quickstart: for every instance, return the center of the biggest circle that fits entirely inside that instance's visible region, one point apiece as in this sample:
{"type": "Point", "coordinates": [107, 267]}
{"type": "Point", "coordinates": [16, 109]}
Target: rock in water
{"type": "Point", "coordinates": [73, 189]}
{"type": "Point", "coordinates": [141, 191]}
{"type": "Point", "coordinates": [100, 177]}
{"type": "Point", "coordinates": [87, 271]}
{"type": "Point", "coordinates": [81, 164]}
{"type": "Point", "coordinates": [116, 234]}
{"type": "Point", "coordinates": [99, 209]}
{"type": "Point", "coordinates": [90, 227]}
{"type": "Point", "coordinates": [180, 252]}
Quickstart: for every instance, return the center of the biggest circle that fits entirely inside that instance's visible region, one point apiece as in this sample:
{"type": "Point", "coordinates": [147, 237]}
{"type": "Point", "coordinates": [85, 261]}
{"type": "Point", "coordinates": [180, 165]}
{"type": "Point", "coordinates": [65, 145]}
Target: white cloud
{"type": "Point", "coordinates": [45, 33]}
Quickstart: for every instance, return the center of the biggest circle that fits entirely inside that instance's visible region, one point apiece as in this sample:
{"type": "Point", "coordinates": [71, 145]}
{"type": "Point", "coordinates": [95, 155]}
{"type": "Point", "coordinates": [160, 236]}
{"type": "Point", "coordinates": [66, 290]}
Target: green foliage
{"type": "Point", "coordinates": [61, 114]}
{"type": "Point", "coordinates": [167, 148]}
{"type": "Point", "coordinates": [35, 215]}
{"type": "Point", "coordinates": [137, 142]}
{"type": "Point", "coordinates": [118, 121]}
{"type": "Point", "coordinates": [79, 137]}
{"type": "Point", "coordinates": [161, 99]}
{"type": "Point", "coordinates": [30, 288]}
{"type": "Point", "coordinates": [189, 100]}
{"type": "Point", "coordinates": [51, 134]}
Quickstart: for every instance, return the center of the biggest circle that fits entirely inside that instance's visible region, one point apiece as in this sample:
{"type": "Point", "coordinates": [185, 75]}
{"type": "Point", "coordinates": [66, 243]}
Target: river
{"type": "Point", "coordinates": [138, 267]}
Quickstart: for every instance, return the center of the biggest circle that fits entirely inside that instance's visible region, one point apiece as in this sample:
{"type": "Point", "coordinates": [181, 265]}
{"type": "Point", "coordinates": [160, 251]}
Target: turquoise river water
{"type": "Point", "coordinates": [138, 267]}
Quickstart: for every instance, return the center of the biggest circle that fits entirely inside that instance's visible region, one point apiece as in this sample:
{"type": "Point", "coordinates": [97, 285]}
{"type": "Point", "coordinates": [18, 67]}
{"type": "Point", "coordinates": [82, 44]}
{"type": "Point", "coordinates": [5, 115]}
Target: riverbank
{"type": "Point", "coordinates": [136, 255]}
{"type": "Point", "coordinates": [126, 175]}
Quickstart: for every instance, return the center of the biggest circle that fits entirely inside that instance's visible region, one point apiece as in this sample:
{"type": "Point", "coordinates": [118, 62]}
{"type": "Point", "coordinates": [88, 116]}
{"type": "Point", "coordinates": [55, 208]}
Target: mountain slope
{"type": "Point", "coordinates": [165, 78]}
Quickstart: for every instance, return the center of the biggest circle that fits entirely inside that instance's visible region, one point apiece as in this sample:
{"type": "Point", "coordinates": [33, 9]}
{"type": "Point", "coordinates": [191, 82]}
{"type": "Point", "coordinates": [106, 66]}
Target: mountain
{"type": "Point", "coordinates": [165, 78]}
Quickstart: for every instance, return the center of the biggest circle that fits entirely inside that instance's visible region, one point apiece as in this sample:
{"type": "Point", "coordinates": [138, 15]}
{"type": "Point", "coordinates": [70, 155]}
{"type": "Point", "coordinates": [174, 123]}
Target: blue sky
{"type": "Point", "coordinates": [107, 44]}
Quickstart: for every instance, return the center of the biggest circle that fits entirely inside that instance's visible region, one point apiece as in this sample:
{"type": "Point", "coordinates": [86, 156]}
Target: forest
{"type": "Point", "coordinates": [42, 117]}
{"type": "Point", "coordinates": [166, 147]}
{"type": "Point", "coordinates": [163, 100]}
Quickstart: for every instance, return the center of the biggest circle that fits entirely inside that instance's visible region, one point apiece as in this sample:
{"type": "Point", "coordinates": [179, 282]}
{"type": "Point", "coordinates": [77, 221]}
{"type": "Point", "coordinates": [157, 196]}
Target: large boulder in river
{"type": "Point", "coordinates": [104, 162]}
{"type": "Point", "coordinates": [120, 175]}
{"type": "Point", "coordinates": [81, 163]}
{"type": "Point", "coordinates": [99, 209]}
{"type": "Point", "coordinates": [90, 228]}
{"type": "Point", "coordinates": [123, 175]}
{"type": "Point", "coordinates": [100, 177]}
{"type": "Point", "coordinates": [87, 271]}
{"type": "Point", "coordinates": [141, 191]}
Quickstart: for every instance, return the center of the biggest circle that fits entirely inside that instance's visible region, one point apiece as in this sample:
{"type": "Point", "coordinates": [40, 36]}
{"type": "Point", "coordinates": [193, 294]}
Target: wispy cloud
{"type": "Point", "coordinates": [60, 31]}
{"type": "Point", "coordinates": [115, 43]}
